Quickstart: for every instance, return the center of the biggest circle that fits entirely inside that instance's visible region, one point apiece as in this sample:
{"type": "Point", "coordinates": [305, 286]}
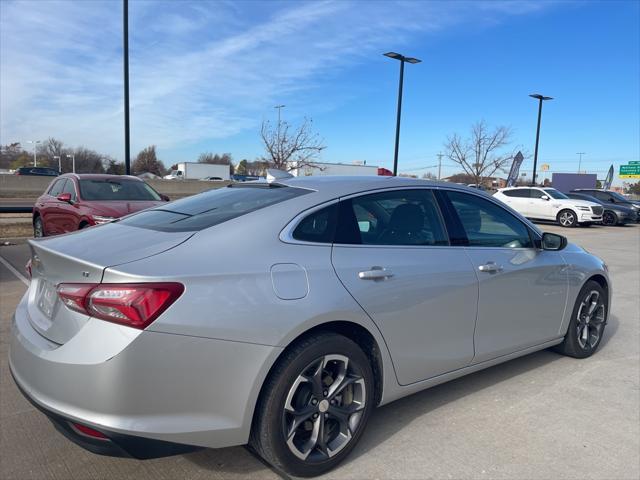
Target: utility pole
{"type": "Point", "coordinates": [127, 146]}
{"type": "Point", "coordinates": [580, 161]}
{"type": "Point", "coordinates": [35, 148]}
{"type": "Point", "coordinates": [279, 107]}
{"type": "Point", "coordinates": [440, 155]}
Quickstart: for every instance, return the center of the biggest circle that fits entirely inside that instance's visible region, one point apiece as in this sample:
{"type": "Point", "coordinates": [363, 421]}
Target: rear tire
{"type": "Point", "coordinates": [588, 320]}
{"type": "Point", "coordinates": [567, 218]}
{"type": "Point", "coordinates": [314, 405]}
{"type": "Point", "coordinates": [38, 228]}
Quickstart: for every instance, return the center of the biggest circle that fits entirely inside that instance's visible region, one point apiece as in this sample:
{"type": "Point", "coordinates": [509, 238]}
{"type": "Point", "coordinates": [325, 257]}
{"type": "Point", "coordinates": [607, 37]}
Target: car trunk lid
{"type": "Point", "coordinates": [82, 257]}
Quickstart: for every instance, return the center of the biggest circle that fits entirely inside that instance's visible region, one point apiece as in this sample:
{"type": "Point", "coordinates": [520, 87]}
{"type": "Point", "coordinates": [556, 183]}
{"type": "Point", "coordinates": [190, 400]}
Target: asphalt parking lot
{"type": "Point", "coordinates": [541, 416]}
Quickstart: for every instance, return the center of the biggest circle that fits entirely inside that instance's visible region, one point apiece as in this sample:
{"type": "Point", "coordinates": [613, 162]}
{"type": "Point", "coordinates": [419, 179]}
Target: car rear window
{"type": "Point", "coordinates": [212, 207]}
{"type": "Point", "coordinates": [123, 190]}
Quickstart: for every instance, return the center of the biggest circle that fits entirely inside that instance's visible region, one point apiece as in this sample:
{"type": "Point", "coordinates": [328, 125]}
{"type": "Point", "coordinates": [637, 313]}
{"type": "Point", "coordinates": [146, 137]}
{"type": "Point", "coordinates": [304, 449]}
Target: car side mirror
{"type": "Point", "coordinates": [64, 197]}
{"type": "Point", "coordinates": [544, 197]}
{"type": "Point", "coordinates": [164, 197]}
{"type": "Point", "coordinates": [553, 241]}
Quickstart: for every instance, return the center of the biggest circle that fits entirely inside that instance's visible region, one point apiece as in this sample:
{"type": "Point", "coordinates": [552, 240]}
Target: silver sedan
{"type": "Point", "coordinates": [281, 313]}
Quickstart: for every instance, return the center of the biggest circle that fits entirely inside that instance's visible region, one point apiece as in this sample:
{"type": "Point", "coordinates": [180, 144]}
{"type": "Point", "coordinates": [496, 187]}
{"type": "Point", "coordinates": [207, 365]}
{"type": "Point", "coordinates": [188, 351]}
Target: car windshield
{"type": "Point", "coordinates": [117, 190]}
{"type": "Point", "coordinates": [212, 208]}
{"type": "Point", "coordinates": [553, 193]}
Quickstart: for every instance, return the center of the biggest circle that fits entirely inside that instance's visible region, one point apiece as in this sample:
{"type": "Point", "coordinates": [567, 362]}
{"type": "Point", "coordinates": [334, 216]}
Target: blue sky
{"type": "Point", "coordinates": [205, 74]}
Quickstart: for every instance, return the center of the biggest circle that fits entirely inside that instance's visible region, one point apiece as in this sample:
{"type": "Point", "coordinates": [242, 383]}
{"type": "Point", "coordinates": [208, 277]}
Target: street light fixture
{"type": "Point", "coordinates": [540, 98]}
{"type": "Point", "coordinates": [35, 147]}
{"type": "Point", "coordinates": [73, 161]}
{"type": "Point", "coordinates": [402, 59]}
{"type": "Point", "coordinates": [580, 161]}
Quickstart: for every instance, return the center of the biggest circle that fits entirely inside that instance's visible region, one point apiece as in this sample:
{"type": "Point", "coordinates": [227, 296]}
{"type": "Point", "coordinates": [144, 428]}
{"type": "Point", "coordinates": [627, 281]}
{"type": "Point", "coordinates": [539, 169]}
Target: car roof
{"type": "Point", "coordinates": [336, 185]}
{"type": "Point", "coordinates": [98, 176]}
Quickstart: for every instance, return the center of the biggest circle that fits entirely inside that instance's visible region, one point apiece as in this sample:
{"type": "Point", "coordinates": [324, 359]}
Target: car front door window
{"type": "Point", "coordinates": [487, 224]}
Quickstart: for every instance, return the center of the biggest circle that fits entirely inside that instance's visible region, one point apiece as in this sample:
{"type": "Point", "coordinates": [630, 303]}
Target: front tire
{"type": "Point", "coordinates": [314, 406]}
{"type": "Point", "coordinates": [567, 218]}
{"type": "Point", "coordinates": [609, 218]}
{"type": "Point", "coordinates": [588, 319]}
{"type": "Point", "coordinates": [38, 228]}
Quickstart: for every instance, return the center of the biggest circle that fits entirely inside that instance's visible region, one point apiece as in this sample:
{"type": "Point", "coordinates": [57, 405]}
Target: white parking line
{"type": "Point", "coordinates": [21, 277]}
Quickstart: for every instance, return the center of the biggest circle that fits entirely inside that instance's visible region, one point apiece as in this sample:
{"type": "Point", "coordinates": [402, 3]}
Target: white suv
{"type": "Point", "coordinates": [550, 204]}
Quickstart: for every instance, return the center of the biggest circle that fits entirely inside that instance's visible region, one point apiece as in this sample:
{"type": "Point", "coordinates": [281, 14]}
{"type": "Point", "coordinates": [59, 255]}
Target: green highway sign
{"type": "Point", "coordinates": [634, 162]}
{"type": "Point", "coordinates": [630, 171]}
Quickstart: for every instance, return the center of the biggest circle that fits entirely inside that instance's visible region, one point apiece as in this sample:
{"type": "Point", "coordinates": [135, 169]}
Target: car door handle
{"type": "Point", "coordinates": [376, 273]}
{"type": "Point", "coordinates": [490, 267]}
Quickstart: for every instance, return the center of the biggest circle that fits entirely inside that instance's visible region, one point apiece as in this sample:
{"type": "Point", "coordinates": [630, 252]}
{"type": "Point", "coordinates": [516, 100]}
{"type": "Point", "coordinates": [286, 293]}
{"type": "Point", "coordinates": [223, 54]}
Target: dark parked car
{"type": "Point", "coordinates": [73, 202]}
{"type": "Point", "coordinates": [40, 171]}
{"type": "Point", "coordinates": [611, 197]}
{"type": "Point", "coordinates": [614, 213]}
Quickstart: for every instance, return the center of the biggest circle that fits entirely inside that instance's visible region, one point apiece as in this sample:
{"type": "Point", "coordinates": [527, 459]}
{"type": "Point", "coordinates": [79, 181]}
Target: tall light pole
{"type": "Point", "coordinates": [440, 155]}
{"type": "Point", "coordinates": [580, 161]}
{"type": "Point", "coordinates": [59, 163]}
{"type": "Point", "coordinates": [541, 98]}
{"type": "Point", "coordinates": [73, 161]}
{"type": "Point", "coordinates": [403, 59]}
{"type": "Point", "coordinates": [127, 146]}
{"type": "Point", "coordinates": [35, 147]}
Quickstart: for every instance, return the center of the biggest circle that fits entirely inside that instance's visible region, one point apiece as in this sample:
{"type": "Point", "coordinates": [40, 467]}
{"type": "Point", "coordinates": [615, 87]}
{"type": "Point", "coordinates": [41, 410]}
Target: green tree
{"type": "Point", "coordinates": [115, 168]}
{"type": "Point", "coordinates": [147, 161]}
{"type": "Point", "coordinates": [632, 188]}
{"type": "Point", "coordinates": [241, 169]}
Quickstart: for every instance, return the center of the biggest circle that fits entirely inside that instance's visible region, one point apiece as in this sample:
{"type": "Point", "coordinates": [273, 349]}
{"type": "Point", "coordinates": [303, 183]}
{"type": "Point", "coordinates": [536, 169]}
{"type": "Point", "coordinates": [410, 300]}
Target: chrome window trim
{"type": "Point", "coordinates": [286, 234]}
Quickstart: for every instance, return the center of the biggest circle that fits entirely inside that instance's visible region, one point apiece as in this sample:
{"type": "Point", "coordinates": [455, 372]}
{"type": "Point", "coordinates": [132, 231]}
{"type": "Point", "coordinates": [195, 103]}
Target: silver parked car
{"type": "Point", "coordinates": [280, 314]}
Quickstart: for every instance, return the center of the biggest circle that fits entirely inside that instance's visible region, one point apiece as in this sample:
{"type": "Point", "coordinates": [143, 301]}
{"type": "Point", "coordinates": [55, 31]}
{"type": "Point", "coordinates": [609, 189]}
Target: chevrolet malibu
{"type": "Point", "coordinates": [281, 313]}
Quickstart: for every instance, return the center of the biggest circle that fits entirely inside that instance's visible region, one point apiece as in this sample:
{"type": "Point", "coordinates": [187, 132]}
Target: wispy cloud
{"type": "Point", "coordinates": [199, 70]}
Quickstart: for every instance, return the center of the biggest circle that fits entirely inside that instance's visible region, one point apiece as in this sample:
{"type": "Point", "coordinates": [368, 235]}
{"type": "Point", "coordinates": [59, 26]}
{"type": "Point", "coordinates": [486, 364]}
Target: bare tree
{"type": "Point", "coordinates": [224, 159]}
{"type": "Point", "coordinates": [147, 161]}
{"type": "Point", "coordinates": [290, 148]}
{"type": "Point", "coordinates": [483, 153]}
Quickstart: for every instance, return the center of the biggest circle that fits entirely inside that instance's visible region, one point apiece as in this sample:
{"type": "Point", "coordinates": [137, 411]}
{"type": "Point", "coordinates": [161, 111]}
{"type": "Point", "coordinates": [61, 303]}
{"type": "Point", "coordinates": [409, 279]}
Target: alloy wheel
{"type": "Point", "coordinates": [567, 218]}
{"type": "Point", "coordinates": [324, 407]}
{"type": "Point", "coordinates": [608, 218]}
{"type": "Point", "coordinates": [590, 320]}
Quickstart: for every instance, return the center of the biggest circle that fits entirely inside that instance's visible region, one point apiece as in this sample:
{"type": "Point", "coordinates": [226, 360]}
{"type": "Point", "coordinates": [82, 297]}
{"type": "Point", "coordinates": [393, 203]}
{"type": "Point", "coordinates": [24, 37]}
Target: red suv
{"type": "Point", "coordinates": [73, 201]}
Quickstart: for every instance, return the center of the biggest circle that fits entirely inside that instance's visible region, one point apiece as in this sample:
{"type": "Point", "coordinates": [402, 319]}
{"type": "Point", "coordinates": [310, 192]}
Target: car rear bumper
{"type": "Point", "coordinates": [174, 389]}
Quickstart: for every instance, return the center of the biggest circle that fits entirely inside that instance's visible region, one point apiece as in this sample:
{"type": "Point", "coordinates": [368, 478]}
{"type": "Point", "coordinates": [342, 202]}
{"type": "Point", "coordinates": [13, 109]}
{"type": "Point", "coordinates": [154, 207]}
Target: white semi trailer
{"type": "Point", "coordinates": [199, 171]}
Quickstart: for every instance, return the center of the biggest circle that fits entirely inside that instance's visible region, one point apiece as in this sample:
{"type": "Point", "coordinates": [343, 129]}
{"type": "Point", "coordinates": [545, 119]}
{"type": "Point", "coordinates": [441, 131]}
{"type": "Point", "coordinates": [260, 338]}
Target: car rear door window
{"type": "Point", "coordinates": [517, 193]}
{"type": "Point", "coordinates": [399, 217]}
{"type": "Point", "coordinates": [486, 224]}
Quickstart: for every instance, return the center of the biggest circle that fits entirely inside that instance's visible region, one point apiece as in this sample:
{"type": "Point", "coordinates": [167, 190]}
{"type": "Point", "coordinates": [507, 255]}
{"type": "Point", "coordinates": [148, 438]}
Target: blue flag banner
{"type": "Point", "coordinates": [515, 169]}
{"type": "Point", "coordinates": [607, 181]}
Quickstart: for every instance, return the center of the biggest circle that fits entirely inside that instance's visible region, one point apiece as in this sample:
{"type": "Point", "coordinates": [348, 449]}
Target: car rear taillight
{"type": "Point", "coordinates": [132, 304]}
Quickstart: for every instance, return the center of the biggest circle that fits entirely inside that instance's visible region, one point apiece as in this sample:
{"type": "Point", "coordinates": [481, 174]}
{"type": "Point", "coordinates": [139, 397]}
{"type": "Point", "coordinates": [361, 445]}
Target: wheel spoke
{"type": "Point", "coordinates": [299, 417]}
{"type": "Point", "coordinates": [316, 377]}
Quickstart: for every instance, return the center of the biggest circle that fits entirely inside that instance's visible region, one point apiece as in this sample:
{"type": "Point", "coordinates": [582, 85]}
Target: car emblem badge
{"type": "Point", "coordinates": [85, 274]}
